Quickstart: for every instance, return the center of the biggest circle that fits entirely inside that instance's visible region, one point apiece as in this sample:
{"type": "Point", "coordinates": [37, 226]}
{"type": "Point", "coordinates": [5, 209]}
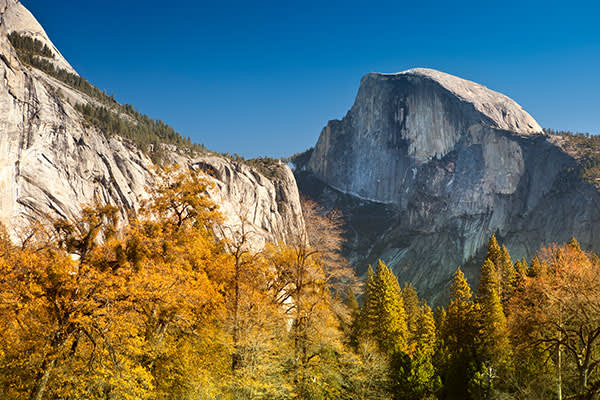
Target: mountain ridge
{"type": "Point", "coordinates": [54, 159]}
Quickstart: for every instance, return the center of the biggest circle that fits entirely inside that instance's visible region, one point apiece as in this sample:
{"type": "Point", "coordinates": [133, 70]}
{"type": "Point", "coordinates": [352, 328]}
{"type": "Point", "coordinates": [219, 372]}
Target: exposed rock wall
{"type": "Point", "coordinates": [426, 166]}
{"type": "Point", "coordinates": [52, 162]}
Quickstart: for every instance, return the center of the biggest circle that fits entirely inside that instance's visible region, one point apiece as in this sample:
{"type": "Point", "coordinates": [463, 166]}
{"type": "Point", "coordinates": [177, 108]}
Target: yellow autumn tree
{"type": "Point", "coordinates": [58, 308]}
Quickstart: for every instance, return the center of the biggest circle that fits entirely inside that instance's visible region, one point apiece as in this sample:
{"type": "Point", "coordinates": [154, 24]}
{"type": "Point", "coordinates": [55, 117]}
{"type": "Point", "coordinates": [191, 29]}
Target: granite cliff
{"type": "Point", "coordinates": [426, 166]}
{"type": "Point", "coordinates": [53, 160]}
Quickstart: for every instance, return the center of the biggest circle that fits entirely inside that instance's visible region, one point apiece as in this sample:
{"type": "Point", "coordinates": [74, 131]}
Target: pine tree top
{"type": "Point", "coordinates": [460, 290]}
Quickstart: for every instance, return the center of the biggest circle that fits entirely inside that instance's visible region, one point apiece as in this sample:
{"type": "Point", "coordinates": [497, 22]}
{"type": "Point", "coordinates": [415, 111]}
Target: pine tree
{"type": "Point", "coordinates": [494, 251]}
{"type": "Point", "coordinates": [414, 374]}
{"type": "Point", "coordinates": [368, 312]}
{"type": "Point", "coordinates": [383, 316]}
{"type": "Point", "coordinates": [426, 332]}
{"type": "Point", "coordinates": [493, 332]}
{"type": "Point", "coordinates": [458, 356]}
{"type": "Point", "coordinates": [535, 269]}
{"type": "Point", "coordinates": [508, 275]}
{"type": "Point", "coordinates": [392, 329]}
{"type": "Point", "coordinates": [413, 313]}
{"type": "Point", "coordinates": [574, 244]}
{"type": "Point", "coordinates": [488, 281]}
{"type": "Point", "coordinates": [521, 268]}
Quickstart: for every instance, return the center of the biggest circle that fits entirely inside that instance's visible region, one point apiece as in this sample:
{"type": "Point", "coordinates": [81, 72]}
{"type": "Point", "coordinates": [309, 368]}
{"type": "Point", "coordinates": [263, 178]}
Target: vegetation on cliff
{"type": "Point", "coordinates": [586, 148]}
{"type": "Point", "coordinates": [107, 114]}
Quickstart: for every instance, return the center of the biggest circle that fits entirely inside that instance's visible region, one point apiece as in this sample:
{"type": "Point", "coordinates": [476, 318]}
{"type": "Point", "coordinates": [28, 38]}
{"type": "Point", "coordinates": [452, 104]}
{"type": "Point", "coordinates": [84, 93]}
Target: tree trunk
{"type": "Point", "coordinates": [42, 381]}
{"type": "Point", "coordinates": [559, 371]}
{"type": "Point", "coordinates": [235, 359]}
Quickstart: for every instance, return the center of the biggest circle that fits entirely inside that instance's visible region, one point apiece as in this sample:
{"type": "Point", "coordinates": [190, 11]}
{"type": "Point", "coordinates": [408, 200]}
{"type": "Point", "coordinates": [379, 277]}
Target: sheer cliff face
{"type": "Point", "coordinates": [426, 166]}
{"type": "Point", "coordinates": [52, 162]}
{"type": "Point", "coordinates": [401, 122]}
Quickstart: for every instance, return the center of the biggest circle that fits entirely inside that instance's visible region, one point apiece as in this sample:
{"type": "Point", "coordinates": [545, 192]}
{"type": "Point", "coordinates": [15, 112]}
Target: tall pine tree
{"type": "Point", "coordinates": [383, 317]}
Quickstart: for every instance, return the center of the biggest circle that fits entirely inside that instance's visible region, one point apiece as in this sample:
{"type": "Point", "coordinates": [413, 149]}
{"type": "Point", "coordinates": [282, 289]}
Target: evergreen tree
{"type": "Point", "coordinates": [426, 332]}
{"type": "Point", "coordinates": [521, 269]}
{"type": "Point", "coordinates": [535, 269]}
{"type": "Point", "coordinates": [488, 281]}
{"type": "Point", "coordinates": [508, 275]}
{"type": "Point", "coordinates": [494, 251]}
{"type": "Point", "coordinates": [457, 356]}
{"type": "Point", "coordinates": [368, 312]}
{"type": "Point", "coordinates": [392, 329]}
{"type": "Point", "coordinates": [574, 244]}
{"type": "Point", "coordinates": [383, 316]}
{"type": "Point", "coordinates": [413, 373]}
{"type": "Point", "coordinates": [413, 313]}
{"type": "Point", "coordinates": [494, 343]}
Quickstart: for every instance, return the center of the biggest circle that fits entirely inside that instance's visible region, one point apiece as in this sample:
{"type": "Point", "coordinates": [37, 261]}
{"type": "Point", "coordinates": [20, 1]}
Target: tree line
{"type": "Point", "coordinates": [26, 44]}
{"type": "Point", "coordinates": [110, 117]}
{"type": "Point", "coordinates": [147, 134]}
{"type": "Point", "coordinates": [175, 306]}
{"type": "Point", "coordinates": [532, 331]}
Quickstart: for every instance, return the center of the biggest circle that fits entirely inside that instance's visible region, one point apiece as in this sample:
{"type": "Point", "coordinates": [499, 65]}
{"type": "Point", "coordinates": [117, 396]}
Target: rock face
{"type": "Point", "coordinates": [18, 19]}
{"type": "Point", "coordinates": [426, 166]}
{"type": "Point", "coordinates": [52, 162]}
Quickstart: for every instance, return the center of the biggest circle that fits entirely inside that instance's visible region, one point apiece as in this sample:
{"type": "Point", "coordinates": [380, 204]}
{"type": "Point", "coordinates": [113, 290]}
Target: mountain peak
{"type": "Point", "coordinates": [502, 111]}
{"type": "Point", "coordinates": [14, 17]}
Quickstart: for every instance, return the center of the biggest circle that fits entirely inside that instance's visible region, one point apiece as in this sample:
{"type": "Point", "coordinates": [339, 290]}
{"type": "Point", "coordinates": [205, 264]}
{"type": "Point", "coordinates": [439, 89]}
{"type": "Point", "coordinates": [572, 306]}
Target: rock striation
{"type": "Point", "coordinates": [52, 162]}
{"type": "Point", "coordinates": [426, 166]}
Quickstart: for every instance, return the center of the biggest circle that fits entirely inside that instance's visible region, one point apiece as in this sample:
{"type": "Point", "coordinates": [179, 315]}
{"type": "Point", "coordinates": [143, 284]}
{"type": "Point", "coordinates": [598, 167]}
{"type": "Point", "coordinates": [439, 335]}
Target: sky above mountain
{"type": "Point", "coordinates": [264, 77]}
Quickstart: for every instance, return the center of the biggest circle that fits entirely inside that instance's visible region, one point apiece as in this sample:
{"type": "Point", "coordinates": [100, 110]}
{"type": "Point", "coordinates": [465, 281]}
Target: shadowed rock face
{"type": "Point", "coordinates": [426, 166]}
{"type": "Point", "coordinates": [52, 162]}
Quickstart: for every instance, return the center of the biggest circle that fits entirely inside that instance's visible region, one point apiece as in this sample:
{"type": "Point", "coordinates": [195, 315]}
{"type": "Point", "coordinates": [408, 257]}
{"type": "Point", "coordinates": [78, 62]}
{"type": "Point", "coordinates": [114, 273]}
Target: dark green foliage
{"type": "Point", "coordinates": [457, 357]}
{"type": "Point", "coordinates": [413, 378]}
{"type": "Point", "coordinates": [73, 80]}
{"type": "Point", "coordinates": [112, 119]}
{"type": "Point", "coordinates": [145, 132]}
{"type": "Point", "coordinates": [27, 45]}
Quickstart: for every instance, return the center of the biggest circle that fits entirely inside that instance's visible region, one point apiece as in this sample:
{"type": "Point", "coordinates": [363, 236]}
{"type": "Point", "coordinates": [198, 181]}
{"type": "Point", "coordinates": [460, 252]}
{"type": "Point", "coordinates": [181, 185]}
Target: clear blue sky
{"type": "Point", "coordinates": [264, 77]}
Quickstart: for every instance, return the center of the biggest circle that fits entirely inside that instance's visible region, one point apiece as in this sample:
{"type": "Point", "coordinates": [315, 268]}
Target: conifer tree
{"type": "Point", "coordinates": [488, 281]}
{"type": "Point", "coordinates": [494, 251]}
{"type": "Point", "coordinates": [508, 275]}
{"type": "Point", "coordinates": [535, 269]}
{"type": "Point", "coordinates": [521, 269]}
{"type": "Point", "coordinates": [495, 347]}
{"type": "Point", "coordinates": [368, 312]}
{"type": "Point", "coordinates": [413, 313]}
{"type": "Point", "coordinates": [458, 356]}
{"type": "Point", "coordinates": [426, 333]}
{"type": "Point", "coordinates": [352, 303]}
{"type": "Point", "coordinates": [574, 244]}
{"type": "Point", "coordinates": [392, 329]}
{"type": "Point", "coordinates": [383, 316]}
{"type": "Point", "coordinates": [414, 375]}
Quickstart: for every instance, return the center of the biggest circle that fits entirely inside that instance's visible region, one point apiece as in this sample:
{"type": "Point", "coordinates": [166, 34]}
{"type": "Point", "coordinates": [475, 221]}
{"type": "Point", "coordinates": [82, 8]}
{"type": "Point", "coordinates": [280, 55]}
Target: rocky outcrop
{"type": "Point", "coordinates": [426, 166]}
{"type": "Point", "coordinates": [52, 161]}
{"type": "Point", "coordinates": [16, 18]}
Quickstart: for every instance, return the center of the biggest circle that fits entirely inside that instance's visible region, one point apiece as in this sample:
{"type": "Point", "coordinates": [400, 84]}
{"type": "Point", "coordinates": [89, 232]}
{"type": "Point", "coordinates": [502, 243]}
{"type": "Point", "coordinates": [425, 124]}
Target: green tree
{"type": "Point", "coordinates": [494, 251]}
{"type": "Point", "coordinates": [413, 313]}
{"type": "Point", "coordinates": [383, 316]}
{"type": "Point", "coordinates": [494, 344]}
{"type": "Point", "coordinates": [457, 353]}
{"type": "Point", "coordinates": [508, 275]}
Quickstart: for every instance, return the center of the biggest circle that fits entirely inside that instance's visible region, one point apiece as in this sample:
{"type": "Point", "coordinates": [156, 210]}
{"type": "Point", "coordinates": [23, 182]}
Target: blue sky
{"type": "Point", "coordinates": [264, 77]}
